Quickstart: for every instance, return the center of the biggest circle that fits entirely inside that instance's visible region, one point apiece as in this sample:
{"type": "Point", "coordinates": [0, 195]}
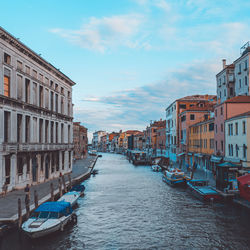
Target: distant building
{"type": "Point", "coordinates": [80, 139]}
{"type": "Point", "coordinates": [97, 139]}
{"type": "Point", "coordinates": [237, 139]}
{"type": "Point", "coordinates": [36, 128]}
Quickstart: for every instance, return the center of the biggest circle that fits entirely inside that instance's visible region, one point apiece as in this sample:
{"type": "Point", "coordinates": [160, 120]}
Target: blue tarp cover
{"type": "Point", "coordinates": [54, 206]}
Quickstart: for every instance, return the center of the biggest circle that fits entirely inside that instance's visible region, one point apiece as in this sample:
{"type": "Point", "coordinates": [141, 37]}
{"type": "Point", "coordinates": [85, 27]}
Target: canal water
{"type": "Point", "coordinates": [128, 207]}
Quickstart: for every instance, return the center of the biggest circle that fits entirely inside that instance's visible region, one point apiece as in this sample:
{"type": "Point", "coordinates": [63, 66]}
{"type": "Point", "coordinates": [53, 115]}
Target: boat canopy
{"type": "Point", "coordinates": [216, 159]}
{"type": "Point", "coordinates": [181, 154]}
{"type": "Point", "coordinates": [55, 206]}
{"type": "Point", "coordinates": [228, 165]}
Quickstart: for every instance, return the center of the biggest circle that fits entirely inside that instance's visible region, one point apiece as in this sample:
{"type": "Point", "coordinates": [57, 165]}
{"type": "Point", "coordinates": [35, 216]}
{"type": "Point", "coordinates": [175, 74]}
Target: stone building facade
{"type": "Point", "coordinates": [36, 130]}
{"type": "Point", "coordinates": [80, 139]}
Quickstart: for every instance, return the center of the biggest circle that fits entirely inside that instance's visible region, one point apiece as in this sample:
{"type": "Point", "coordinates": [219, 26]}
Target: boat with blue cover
{"type": "Point", "coordinates": [174, 177]}
{"type": "Point", "coordinates": [78, 188]}
{"type": "Point", "coordinates": [71, 197]}
{"type": "Point", "coordinates": [201, 190]}
{"type": "Point", "coordinates": [48, 218]}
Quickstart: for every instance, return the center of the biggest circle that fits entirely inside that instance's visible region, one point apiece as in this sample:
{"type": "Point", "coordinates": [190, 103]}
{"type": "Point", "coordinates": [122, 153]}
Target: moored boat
{"type": "Point", "coordinates": [156, 168]}
{"type": "Point", "coordinates": [48, 218]}
{"type": "Point", "coordinates": [71, 197]}
{"type": "Point", "coordinates": [78, 188]}
{"type": "Point", "coordinates": [201, 190]}
{"type": "Point", "coordinates": [174, 177]}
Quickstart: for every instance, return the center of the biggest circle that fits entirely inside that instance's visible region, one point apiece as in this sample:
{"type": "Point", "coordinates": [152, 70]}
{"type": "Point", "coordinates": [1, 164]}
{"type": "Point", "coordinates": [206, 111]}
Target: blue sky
{"type": "Point", "coordinates": [131, 58]}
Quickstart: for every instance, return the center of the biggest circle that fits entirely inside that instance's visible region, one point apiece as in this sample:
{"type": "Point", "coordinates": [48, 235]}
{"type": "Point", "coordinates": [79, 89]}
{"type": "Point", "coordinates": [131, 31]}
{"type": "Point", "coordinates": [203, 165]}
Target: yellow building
{"type": "Point", "coordinates": [201, 141]}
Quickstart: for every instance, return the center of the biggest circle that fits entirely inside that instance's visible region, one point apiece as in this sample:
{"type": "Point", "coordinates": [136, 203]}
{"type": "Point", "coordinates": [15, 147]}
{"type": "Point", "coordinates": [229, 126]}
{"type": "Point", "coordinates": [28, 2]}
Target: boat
{"type": "Point", "coordinates": [48, 218]}
{"type": "Point", "coordinates": [156, 168]}
{"type": "Point", "coordinates": [94, 172]}
{"type": "Point", "coordinates": [78, 188]}
{"type": "Point", "coordinates": [201, 190]}
{"type": "Point", "coordinates": [71, 197]}
{"type": "Point", "coordinates": [174, 177]}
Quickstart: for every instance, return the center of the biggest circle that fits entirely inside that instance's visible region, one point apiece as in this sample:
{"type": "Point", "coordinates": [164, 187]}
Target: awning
{"type": "Point", "coordinates": [228, 165]}
{"type": "Point", "coordinates": [181, 154]}
{"type": "Point", "coordinates": [232, 160]}
{"type": "Point", "coordinates": [215, 159]}
{"type": "Point", "coordinates": [190, 154]}
{"type": "Point", "coordinates": [198, 155]}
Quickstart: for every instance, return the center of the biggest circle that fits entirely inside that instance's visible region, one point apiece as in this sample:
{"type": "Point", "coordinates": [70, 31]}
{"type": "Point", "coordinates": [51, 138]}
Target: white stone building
{"type": "Point", "coordinates": [171, 131]}
{"type": "Point", "coordinates": [36, 129]}
{"type": "Point", "coordinates": [97, 139]}
{"type": "Point", "coordinates": [237, 139]}
{"type": "Point", "coordinates": [225, 82]}
{"type": "Point", "coordinates": [242, 71]}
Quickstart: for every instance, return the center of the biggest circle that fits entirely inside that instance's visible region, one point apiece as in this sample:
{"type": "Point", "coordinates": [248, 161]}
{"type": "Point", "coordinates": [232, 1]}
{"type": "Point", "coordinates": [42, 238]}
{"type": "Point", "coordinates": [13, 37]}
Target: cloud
{"type": "Point", "coordinates": [102, 34]}
{"type": "Point", "coordinates": [134, 108]}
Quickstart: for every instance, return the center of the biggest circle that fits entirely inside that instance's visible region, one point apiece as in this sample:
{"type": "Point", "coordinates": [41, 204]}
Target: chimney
{"type": "Point", "coordinates": [224, 63]}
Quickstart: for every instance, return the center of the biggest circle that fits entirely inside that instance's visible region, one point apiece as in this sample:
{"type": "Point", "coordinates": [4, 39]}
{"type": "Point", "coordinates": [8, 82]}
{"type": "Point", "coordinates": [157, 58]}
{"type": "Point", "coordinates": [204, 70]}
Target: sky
{"type": "Point", "coordinates": [131, 58]}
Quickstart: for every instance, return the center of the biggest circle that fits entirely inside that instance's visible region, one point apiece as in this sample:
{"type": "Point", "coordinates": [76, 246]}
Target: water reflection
{"type": "Point", "coordinates": [127, 207]}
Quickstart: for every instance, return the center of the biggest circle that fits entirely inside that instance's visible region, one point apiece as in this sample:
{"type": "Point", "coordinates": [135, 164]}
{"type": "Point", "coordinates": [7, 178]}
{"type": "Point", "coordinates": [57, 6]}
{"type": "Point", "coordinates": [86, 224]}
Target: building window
{"type": "Point", "coordinates": [222, 146]}
{"type": "Point", "coordinates": [216, 145]}
{"type": "Point", "coordinates": [19, 128]}
{"type": "Point", "coordinates": [224, 92]}
{"type": "Point", "coordinates": [46, 131]}
{"type": "Point", "coordinates": [239, 68]}
{"type": "Point", "coordinates": [52, 133]}
{"type": "Point", "coordinates": [7, 129]}
{"type": "Point", "coordinates": [41, 130]}
{"type": "Point", "coordinates": [62, 133]}
{"type": "Point", "coordinates": [56, 102]}
{"type": "Point", "coordinates": [52, 101]}
{"type": "Point", "coordinates": [221, 127]}
{"type": "Point", "coordinates": [62, 105]}
{"type": "Point", "coordinates": [244, 151]}
{"type": "Point", "coordinates": [240, 83]}
{"type": "Point", "coordinates": [19, 65]}
{"type": "Point", "coordinates": [56, 132]}
{"type": "Point", "coordinates": [41, 77]}
{"type": "Point", "coordinates": [7, 58]}
{"type": "Point", "coordinates": [34, 93]}
{"type": "Point", "coordinates": [183, 118]}
{"type": "Point", "coordinates": [27, 70]}
{"type": "Point", "coordinates": [244, 127]}
{"type": "Point", "coordinates": [211, 126]}
{"type": "Point", "coordinates": [236, 128]}
{"type": "Point", "coordinates": [245, 80]}
{"type": "Point", "coordinates": [245, 65]}
{"type": "Point", "coordinates": [63, 160]}
{"type": "Point", "coordinates": [69, 111]}
{"type": "Point", "coordinates": [69, 159]}
{"type": "Point", "coordinates": [34, 73]}
{"type": "Point", "coordinates": [69, 134]}
{"type": "Point", "coordinates": [41, 96]}
{"type": "Point", "coordinates": [19, 87]}
{"type": "Point", "coordinates": [211, 142]}
{"type": "Point", "coordinates": [182, 106]}
{"type": "Point", "coordinates": [27, 129]}
{"type": "Point", "coordinates": [192, 117]}
{"type": "Point", "coordinates": [236, 150]}
{"type": "Point", "coordinates": [6, 82]}
{"type": "Point", "coordinates": [46, 98]}
{"type": "Point", "coordinates": [47, 81]}
{"type": "Point", "coordinates": [20, 165]}
{"type": "Point", "coordinates": [34, 129]}
{"type": "Point", "coordinates": [27, 90]}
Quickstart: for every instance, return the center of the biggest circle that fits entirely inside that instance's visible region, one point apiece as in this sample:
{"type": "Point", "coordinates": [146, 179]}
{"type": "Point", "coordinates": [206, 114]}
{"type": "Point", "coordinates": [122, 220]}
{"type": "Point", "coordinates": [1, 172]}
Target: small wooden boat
{"type": "Point", "coordinates": [201, 190]}
{"type": "Point", "coordinates": [94, 172]}
{"type": "Point", "coordinates": [48, 218]}
{"type": "Point", "coordinates": [174, 177]}
{"type": "Point", "coordinates": [156, 168]}
{"type": "Point", "coordinates": [78, 188]}
{"type": "Point", "coordinates": [71, 197]}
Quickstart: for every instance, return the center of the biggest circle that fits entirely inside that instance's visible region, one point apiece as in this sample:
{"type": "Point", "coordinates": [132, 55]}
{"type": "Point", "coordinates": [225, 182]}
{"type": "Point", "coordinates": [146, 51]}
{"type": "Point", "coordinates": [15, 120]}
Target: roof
{"type": "Point", "coordinates": [230, 66]}
{"type": "Point", "coordinates": [239, 99]}
{"type": "Point", "coordinates": [33, 55]}
{"type": "Point", "coordinates": [197, 98]}
{"type": "Point", "coordinates": [53, 206]}
{"type": "Point", "coordinates": [239, 115]}
{"type": "Point", "coordinates": [202, 122]}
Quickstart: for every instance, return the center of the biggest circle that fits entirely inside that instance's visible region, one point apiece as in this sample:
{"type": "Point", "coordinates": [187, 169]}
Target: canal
{"type": "Point", "coordinates": [127, 207]}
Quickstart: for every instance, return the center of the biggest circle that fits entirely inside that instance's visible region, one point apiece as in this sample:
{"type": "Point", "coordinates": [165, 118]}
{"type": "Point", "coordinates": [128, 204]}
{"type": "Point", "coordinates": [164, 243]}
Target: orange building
{"type": "Point", "coordinates": [201, 143]}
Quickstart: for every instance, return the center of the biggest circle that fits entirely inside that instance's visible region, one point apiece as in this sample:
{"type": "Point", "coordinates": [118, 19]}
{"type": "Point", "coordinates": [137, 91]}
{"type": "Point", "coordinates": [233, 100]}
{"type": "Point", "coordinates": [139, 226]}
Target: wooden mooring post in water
{"type": "Point", "coordinates": [51, 191]}
{"type": "Point", "coordinates": [64, 184]}
{"type": "Point", "coordinates": [20, 218]}
{"type": "Point", "coordinates": [60, 186]}
{"type": "Point", "coordinates": [27, 206]}
{"type": "Point", "coordinates": [36, 199]}
{"type": "Point", "coordinates": [70, 182]}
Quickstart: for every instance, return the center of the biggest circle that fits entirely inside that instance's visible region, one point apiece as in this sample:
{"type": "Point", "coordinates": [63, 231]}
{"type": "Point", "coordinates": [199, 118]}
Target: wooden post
{"type": "Point", "coordinates": [193, 169]}
{"type": "Point", "coordinates": [64, 184]}
{"type": "Point", "coordinates": [19, 213]}
{"type": "Point", "coordinates": [27, 206]}
{"type": "Point", "coordinates": [36, 199]}
{"type": "Point", "coordinates": [60, 186]}
{"type": "Point", "coordinates": [70, 183]}
{"type": "Point", "coordinates": [52, 191]}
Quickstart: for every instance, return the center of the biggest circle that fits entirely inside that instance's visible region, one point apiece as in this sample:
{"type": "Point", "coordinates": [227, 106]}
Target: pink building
{"type": "Point", "coordinates": [232, 107]}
